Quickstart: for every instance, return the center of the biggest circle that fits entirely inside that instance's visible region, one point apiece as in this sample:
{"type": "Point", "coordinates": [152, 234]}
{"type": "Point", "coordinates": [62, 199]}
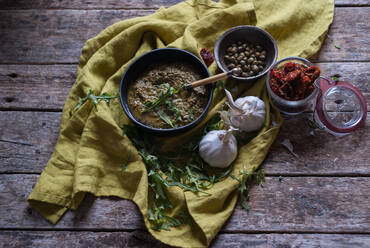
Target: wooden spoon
{"type": "Point", "coordinates": [211, 79]}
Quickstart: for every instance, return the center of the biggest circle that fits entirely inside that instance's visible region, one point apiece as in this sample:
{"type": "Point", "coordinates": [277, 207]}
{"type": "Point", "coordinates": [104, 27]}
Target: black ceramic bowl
{"type": "Point", "coordinates": [159, 56]}
{"type": "Point", "coordinates": [250, 34]}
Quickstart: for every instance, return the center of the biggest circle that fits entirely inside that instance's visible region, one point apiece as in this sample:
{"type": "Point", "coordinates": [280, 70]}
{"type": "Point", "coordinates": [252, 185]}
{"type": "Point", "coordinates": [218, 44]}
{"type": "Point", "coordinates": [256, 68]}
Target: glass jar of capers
{"type": "Point", "coordinates": [248, 57]}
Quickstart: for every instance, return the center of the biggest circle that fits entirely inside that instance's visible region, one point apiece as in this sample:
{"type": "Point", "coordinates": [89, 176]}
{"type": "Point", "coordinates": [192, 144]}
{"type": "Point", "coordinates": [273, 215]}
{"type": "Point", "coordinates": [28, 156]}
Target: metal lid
{"type": "Point", "coordinates": [340, 106]}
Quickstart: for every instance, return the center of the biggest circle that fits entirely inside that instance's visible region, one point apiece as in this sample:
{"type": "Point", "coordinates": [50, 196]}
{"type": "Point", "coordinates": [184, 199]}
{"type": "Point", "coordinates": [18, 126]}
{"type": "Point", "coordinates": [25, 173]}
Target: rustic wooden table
{"type": "Point", "coordinates": [322, 200]}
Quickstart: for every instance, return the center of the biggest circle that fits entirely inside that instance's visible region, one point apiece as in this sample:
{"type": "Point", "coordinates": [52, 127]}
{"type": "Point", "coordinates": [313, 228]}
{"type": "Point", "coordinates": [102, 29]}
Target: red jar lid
{"type": "Point", "coordinates": [340, 106]}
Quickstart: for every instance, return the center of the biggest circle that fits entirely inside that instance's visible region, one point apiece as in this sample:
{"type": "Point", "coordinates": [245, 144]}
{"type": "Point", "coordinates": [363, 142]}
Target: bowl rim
{"type": "Point", "coordinates": [283, 101]}
{"type": "Point", "coordinates": [230, 30]}
{"type": "Point", "coordinates": [162, 131]}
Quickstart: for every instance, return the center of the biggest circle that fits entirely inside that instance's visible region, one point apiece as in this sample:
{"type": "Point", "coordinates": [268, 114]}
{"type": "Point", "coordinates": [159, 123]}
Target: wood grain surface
{"type": "Point", "coordinates": [142, 239]}
{"type": "Point", "coordinates": [321, 200]}
{"type": "Point", "coordinates": [113, 4]}
{"type": "Point", "coordinates": [294, 204]}
{"type": "Point", "coordinates": [27, 141]}
{"type": "Point", "coordinates": [57, 36]}
{"type": "Point", "coordinates": [46, 87]}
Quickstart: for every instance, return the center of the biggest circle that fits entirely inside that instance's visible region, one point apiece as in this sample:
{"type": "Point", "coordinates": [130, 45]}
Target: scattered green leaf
{"type": "Point", "coordinates": [164, 117]}
{"type": "Point", "coordinates": [106, 97]}
{"type": "Point", "coordinates": [162, 97]}
{"type": "Point", "coordinates": [280, 178]}
{"type": "Point", "coordinates": [243, 189]}
{"type": "Point", "coordinates": [184, 169]}
{"type": "Point", "coordinates": [335, 79]}
{"type": "Point", "coordinates": [337, 47]}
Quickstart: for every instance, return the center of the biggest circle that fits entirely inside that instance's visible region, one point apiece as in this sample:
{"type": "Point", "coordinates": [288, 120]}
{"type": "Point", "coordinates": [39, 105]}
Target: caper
{"type": "Point", "coordinates": [234, 50]}
{"type": "Point", "coordinates": [255, 68]}
{"type": "Point", "coordinates": [259, 48]}
{"type": "Point", "coordinates": [239, 43]}
{"type": "Point", "coordinates": [227, 57]}
{"type": "Point", "coordinates": [244, 45]}
{"type": "Point", "coordinates": [233, 45]}
{"type": "Point", "coordinates": [229, 49]}
{"type": "Point", "coordinates": [258, 54]}
{"type": "Point", "coordinates": [240, 49]}
{"type": "Point", "coordinates": [244, 74]}
{"type": "Point", "coordinates": [250, 60]}
{"type": "Point", "coordinates": [255, 62]}
{"type": "Point", "coordinates": [245, 68]}
{"type": "Point", "coordinates": [260, 68]}
{"type": "Point", "coordinates": [262, 57]}
{"type": "Point", "coordinates": [231, 66]}
{"type": "Point", "coordinates": [263, 52]}
{"type": "Point", "coordinates": [242, 62]}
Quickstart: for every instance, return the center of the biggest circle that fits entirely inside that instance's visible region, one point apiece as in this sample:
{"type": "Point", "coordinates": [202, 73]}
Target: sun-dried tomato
{"type": "Point", "coordinates": [207, 56]}
{"type": "Point", "coordinates": [294, 81]}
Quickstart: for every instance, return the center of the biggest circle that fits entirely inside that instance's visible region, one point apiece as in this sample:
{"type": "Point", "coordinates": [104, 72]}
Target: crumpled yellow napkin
{"type": "Point", "coordinates": [91, 146]}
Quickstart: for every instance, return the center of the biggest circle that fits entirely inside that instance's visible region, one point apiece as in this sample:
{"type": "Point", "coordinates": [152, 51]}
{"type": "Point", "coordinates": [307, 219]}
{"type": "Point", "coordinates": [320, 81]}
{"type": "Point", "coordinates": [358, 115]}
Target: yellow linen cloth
{"type": "Point", "coordinates": [91, 146]}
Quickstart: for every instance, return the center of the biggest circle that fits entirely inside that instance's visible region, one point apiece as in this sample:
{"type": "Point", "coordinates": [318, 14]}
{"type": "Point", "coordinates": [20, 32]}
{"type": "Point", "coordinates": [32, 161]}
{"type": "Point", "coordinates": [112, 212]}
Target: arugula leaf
{"type": "Point", "coordinates": [337, 47]}
{"type": "Point", "coordinates": [106, 97]}
{"type": "Point", "coordinates": [243, 189]}
{"type": "Point", "coordinates": [183, 169]}
{"type": "Point", "coordinates": [171, 106]}
{"type": "Point", "coordinates": [165, 117]}
{"type": "Point", "coordinates": [162, 97]}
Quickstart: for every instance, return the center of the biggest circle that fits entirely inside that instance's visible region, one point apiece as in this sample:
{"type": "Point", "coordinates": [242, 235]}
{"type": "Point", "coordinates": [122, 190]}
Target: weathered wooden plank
{"type": "Point", "coordinates": [94, 213]}
{"type": "Point", "coordinates": [144, 240]}
{"type": "Point", "coordinates": [57, 36]}
{"type": "Point", "coordinates": [348, 33]}
{"type": "Point", "coordinates": [291, 240]}
{"type": "Point", "coordinates": [15, 239]}
{"type": "Point", "coordinates": [113, 4]}
{"type": "Point", "coordinates": [296, 204]}
{"type": "Point", "coordinates": [319, 153]}
{"type": "Point", "coordinates": [27, 141]}
{"type": "Point", "coordinates": [87, 4]}
{"type": "Point", "coordinates": [35, 86]}
{"type": "Point", "coordinates": [20, 84]}
{"type": "Point", "coordinates": [53, 36]}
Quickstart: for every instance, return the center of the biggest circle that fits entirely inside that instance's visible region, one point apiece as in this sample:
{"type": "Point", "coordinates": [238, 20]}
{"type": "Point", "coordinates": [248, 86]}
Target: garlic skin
{"type": "Point", "coordinates": [218, 148]}
{"type": "Point", "coordinates": [246, 113]}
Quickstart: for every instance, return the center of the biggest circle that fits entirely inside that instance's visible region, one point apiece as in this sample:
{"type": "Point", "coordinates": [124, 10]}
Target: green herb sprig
{"type": "Point", "coordinates": [259, 176]}
{"type": "Point", "coordinates": [162, 97]}
{"type": "Point", "coordinates": [106, 97]}
{"type": "Point", "coordinates": [184, 169]}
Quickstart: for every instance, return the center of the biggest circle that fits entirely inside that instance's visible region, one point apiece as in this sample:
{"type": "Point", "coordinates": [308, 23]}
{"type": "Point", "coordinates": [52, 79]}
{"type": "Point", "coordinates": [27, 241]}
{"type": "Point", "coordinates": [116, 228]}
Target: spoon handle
{"type": "Point", "coordinates": [209, 80]}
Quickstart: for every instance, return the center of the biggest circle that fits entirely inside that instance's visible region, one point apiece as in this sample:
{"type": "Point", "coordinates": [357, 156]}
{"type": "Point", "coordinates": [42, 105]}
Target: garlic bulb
{"type": "Point", "coordinates": [218, 148]}
{"type": "Point", "coordinates": [246, 113]}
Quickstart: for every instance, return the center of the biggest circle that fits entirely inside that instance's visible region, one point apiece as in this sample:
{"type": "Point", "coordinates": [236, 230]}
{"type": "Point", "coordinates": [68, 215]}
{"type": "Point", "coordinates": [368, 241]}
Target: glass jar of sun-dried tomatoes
{"type": "Point", "coordinates": [291, 85]}
{"type": "Point", "coordinates": [295, 85]}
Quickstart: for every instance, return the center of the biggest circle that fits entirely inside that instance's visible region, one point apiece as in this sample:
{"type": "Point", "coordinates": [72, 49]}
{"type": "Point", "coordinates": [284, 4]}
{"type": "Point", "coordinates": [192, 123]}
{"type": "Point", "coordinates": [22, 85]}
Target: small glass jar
{"type": "Point", "coordinates": [340, 107]}
{"type": "Point", "coordinates": [286, 106]}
